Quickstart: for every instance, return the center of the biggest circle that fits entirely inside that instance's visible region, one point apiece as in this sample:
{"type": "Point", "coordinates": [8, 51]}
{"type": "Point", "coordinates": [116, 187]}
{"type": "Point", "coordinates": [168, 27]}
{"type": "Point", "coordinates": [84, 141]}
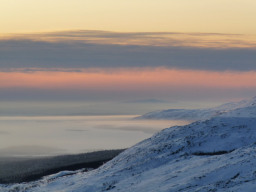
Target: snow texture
{"type": "Point", "coordinates": [218, 154]}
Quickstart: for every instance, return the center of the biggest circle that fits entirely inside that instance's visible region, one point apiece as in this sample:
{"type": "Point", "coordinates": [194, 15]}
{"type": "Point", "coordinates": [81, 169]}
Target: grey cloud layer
{"type": "Point", "coordinates": [75, 54]}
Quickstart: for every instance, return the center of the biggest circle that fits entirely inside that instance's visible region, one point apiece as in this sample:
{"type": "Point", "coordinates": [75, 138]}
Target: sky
{"type": "Point", "coordinates": [124, 57]}
{"type": "Point", "coordinates": [207, 16]}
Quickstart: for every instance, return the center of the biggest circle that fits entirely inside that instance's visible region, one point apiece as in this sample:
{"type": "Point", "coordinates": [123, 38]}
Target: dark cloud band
{"type": "Point", "coordinates": [74, 52]}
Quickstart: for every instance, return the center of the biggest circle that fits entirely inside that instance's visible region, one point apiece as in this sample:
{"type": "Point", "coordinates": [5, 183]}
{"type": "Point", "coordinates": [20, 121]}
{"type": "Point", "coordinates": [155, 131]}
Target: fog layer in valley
{"type": "Point", "coordinates": [54, 135]}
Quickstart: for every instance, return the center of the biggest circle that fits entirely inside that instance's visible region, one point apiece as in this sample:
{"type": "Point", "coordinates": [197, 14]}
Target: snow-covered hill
{"type": "Point", "coordinates": [196, 114]}
{"type": "Point", "coordinates": [218, 154]}
{"type": "Point", "coordinates": [180, 114]}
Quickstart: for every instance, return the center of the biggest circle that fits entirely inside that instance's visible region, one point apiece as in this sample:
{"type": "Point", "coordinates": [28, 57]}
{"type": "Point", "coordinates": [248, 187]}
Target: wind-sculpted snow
{"type": "Point", "coordinates": [218, 154]}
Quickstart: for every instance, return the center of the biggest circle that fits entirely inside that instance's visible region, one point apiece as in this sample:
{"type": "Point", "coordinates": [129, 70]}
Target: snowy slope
{"type": "Point", "coordinates": [197, 114]}
{"type": "Point", "coordinates": [218, 154]}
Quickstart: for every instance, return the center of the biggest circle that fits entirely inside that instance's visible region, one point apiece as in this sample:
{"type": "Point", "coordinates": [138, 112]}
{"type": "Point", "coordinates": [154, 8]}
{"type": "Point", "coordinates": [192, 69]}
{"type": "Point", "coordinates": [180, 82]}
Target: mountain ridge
{"type": "Point", "coordinates": [197, 114]}
{"type": "Point", "coordinates": [217, 154]}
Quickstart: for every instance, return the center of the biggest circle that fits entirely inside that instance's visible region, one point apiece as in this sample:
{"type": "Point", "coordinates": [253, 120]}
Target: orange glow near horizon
{"type": "Point", "coordinates": [146, 79]}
